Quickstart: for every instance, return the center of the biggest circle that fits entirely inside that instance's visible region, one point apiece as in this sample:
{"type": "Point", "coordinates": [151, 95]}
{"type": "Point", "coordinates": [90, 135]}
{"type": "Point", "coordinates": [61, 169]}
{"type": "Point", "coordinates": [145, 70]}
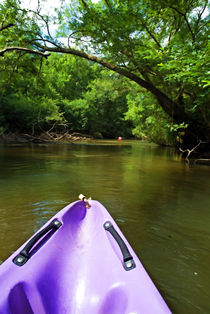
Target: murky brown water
{"type": "Point", "coordinates": [161, 205]}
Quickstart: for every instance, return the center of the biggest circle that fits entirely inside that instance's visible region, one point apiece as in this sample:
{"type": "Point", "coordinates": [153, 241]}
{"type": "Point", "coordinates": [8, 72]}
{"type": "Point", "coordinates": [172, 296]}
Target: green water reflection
{"type": "Point", "coordinates": [161, 205]}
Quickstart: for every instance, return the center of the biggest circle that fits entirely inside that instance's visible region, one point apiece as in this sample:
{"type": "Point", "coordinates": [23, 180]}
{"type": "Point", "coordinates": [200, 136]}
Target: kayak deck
{"type": "Point", "coordinates": [79, 268]}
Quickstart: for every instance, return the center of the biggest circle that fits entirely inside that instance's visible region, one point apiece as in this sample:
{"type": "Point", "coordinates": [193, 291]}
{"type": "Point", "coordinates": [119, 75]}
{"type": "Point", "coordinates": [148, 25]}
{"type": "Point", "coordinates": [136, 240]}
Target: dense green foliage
{"type": "Point", "coordinates": [149, 119]}
{"type": "Point", "coordinates": [162, 46]}
{"type": "Point", "coordinates": [65, 93]}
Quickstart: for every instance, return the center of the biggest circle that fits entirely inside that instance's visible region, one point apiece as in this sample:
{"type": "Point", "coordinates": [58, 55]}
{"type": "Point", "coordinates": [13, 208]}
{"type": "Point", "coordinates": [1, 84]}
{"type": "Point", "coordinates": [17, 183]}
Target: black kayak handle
{"type": "Point", "coordinates": [128, 261]}
{"type": "Point", "coordinates": [24, 255]}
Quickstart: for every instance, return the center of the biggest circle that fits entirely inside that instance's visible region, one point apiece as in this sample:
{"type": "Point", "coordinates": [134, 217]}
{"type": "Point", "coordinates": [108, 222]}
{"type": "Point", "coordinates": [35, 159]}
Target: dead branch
{"type": "Point", "coordinates": [189, 151]}
{"type": "Point", "coordinates": [55, 137]}
{"type": "Point", "coordinates": [203, 161]}
{"type": "Point", "coordinates": [62, 136]}
{"type": "Point", "coordinates": [50, 130]}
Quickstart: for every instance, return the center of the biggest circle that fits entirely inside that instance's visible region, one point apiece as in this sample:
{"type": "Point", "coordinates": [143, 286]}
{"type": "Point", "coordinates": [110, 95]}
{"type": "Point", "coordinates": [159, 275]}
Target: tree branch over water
{"type": "Point", "coordinates": [8, 49]}
{"type": "Point", "coordinates": [189, 151]}
{"type": "Point", "coordinates": [144, 42]}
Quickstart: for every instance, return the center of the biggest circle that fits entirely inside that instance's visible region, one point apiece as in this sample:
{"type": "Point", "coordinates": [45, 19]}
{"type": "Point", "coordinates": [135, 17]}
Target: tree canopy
{"type": "Point", "coordinates": [162, 46]}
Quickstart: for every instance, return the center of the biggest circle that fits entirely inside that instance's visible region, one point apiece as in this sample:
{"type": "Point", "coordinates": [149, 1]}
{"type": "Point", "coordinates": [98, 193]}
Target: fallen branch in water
{"type": "Point", "coordinates": [203, 161]}
{"type": "Point", "coordinates": [189, 151]}
{"type": "Point", "coordinates": [56, 137]}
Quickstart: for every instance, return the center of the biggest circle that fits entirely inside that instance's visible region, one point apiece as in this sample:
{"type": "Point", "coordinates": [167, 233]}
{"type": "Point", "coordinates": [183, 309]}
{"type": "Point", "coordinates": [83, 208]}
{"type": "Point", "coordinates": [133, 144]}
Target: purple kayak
{"type": "Point", "coordinates": [78, 263]}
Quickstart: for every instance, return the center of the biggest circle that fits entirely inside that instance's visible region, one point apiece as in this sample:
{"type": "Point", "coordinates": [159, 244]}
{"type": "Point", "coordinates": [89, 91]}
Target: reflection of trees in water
{"type": "Point", "coordinates": [161, 205]}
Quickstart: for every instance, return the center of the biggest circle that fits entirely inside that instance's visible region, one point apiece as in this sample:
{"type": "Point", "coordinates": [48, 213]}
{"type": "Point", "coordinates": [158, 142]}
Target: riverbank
{"type": "Point", "coordinates": [45, 137]}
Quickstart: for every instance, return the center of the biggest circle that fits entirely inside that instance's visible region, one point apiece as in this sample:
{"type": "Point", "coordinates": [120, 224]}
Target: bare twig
{"type": "Point", "coordinates": [45, 19]}
{"type": "Point", "coordinates": [189, 151]}
{"type": "Point", "coordinates": [72, 36]}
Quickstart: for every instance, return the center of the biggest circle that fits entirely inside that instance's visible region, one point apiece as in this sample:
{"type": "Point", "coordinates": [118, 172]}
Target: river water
{"type": "Point", "coordinates": [161, 205]}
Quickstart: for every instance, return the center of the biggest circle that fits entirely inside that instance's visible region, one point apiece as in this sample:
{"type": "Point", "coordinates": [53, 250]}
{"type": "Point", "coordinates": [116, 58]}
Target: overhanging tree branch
{"type": "Point", "coordinates": [7, 49]}
{"type": "Point", "coordinates": [168, 105]}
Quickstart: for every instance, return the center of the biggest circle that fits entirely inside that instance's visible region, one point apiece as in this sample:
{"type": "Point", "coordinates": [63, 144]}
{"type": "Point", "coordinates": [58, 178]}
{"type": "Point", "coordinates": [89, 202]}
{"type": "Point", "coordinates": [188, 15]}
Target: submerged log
{"type": "Point", "coordinates": [203, 161]}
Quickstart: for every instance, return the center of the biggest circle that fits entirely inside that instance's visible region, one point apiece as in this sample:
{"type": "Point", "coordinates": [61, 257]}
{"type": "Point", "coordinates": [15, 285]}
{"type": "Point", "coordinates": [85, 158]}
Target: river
{"type": "Point", "coordinates": [159, 202]}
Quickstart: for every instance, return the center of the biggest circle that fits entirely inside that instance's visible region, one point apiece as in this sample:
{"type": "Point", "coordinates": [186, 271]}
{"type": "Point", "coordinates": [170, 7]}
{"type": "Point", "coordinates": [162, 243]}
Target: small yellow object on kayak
{"type": "Point", "coordinates": [85, 200]}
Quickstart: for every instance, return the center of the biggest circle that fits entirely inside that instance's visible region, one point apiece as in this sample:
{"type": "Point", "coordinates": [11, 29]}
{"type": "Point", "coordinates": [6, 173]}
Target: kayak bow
{"type": "Point", "coordinates": [78, 263]}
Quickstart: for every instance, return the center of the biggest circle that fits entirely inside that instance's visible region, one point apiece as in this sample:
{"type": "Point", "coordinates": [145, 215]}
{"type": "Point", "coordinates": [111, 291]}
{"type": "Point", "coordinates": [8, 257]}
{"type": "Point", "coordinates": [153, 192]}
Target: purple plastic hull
{"type": "Point", "coordinates": [78, 270]}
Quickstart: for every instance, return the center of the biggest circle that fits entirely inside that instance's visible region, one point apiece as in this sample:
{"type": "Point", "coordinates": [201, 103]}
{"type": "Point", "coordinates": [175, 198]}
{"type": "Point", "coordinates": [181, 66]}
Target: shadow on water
{"type": "Point", "coordinates": [161, 205]}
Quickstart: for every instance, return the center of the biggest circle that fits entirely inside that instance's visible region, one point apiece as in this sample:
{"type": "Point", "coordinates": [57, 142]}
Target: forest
{"type": "Point", "coordinates": [107, 68]}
